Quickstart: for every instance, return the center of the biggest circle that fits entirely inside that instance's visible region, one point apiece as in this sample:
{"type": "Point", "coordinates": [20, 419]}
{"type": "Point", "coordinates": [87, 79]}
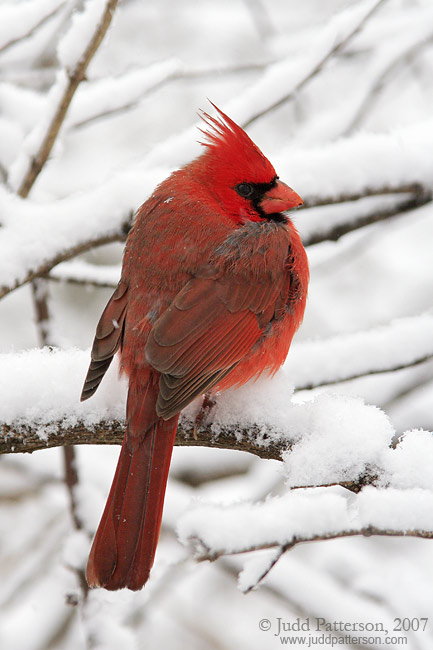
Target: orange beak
{"type": "Point", "coordinates": [279, 199]}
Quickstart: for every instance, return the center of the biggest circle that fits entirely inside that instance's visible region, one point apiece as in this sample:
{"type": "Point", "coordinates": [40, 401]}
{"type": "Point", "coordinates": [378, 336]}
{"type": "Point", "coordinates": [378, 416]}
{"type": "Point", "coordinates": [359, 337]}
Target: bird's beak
{"type": "Point", "coordinates": [280, 198]}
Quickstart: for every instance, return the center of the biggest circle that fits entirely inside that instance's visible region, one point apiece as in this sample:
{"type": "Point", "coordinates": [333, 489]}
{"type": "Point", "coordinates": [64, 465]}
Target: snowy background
{"type": "Point", "coordinates": [339, 95]}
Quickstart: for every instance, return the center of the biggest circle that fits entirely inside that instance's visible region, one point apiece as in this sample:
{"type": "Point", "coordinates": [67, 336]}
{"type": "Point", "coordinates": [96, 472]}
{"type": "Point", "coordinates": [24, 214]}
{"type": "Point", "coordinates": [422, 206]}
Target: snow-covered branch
{"type": "Point", "coordinates": [27, 438]}
{"type": "Point", "coordinates": [401, 344]}
{"type": "Point", "coordinates": [68, 82]}
{"type": "Point", "coordinates": [21, 22]}
{"type": "Point", "coordinates": [294, 76]}
{"type": "Point", "coordinates": [63, 255]}
{"type": "Point", "coordinates": [310, 515]}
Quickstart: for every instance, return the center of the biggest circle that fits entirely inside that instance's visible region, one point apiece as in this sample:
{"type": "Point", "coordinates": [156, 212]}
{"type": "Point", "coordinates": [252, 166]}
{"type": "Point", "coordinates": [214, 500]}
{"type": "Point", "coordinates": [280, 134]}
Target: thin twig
{"type": "Point", "coordinates": [83, 282]}
{"type": "Point", "coordinates": [315, 70]}
{"type": "Point", "coordinates": [272, 563]}
{"type": "Point", "coordinates": [415, 188]}
{"type": "Point", "coordinates": [366, 531]}
{"type": "Point", "coordinates": [375, 216]}
{"type": "Point", "coordinates": [71, 481]}
{"type": "Point", "coordinates": [42, 314]}
{"type": "Point", "coordinates": [415, 383]}
{"type": "Point", "coordinates": [374, 371]}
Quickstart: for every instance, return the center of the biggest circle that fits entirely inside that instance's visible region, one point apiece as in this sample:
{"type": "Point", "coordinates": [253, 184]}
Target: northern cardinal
{"type": "Point", "coordinates": [213, 288]}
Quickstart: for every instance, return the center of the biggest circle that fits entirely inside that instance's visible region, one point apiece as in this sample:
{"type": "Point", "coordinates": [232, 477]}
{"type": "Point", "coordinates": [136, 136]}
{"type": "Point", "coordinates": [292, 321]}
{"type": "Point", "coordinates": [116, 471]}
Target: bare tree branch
{"type": "Point", "coordinates": [316, 69]}
{"type": "Point", "coordinates": [90, 282]}
{"type": "Point", "coordinates": [414, 384]}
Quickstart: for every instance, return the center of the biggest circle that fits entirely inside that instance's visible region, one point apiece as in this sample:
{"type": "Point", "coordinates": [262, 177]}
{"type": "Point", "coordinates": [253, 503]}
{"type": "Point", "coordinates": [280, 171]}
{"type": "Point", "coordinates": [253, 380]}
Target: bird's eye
{"type": "Point", "coordinates": [244, 189]}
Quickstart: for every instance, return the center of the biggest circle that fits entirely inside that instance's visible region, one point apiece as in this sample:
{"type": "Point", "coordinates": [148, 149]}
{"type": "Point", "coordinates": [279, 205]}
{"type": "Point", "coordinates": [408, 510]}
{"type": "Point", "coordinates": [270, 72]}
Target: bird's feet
{"type": "Point", "coordinates": [209, 402]}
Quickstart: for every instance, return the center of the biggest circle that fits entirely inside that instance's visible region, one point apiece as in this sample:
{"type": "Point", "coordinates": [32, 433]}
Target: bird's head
{"type": "Point", "coordinates": [238, 175]}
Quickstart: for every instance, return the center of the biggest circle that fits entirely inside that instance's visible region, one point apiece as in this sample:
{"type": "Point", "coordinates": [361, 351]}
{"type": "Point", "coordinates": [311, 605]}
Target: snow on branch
{"type": "Point", "coordinates": [362, 165]}
{"type": "Point", "coordinates": [114, 95]}
{"type": "Point", "coordinates": [76, 50]}
{"type": "Point", "coordinates": [81, 272]}
{"type": "Point", "coordinates": [403, 343]}
{"type": "Point", "coordinates": [389, 59]}
{"type": "Point", "coordinates": [109, 95]}
{"type": "Point", "coordinates": [398, 162]}
{"type": "Point", "coordinates": [283, 80]}
{"type": "Point", "coordinates": [66, 227]}
{"type": "Point", "coordinates": [331, 439]}
{"type": "Point", "coordinates": [315, 514]}
{"type": "Point", "coordinates": [326, 444]}
{"type": "Point", "coordinates": [19, 22]}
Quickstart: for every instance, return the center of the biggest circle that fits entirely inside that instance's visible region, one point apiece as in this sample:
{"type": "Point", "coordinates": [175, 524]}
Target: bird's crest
{"type": "Point", "coordinates": [229, 145]}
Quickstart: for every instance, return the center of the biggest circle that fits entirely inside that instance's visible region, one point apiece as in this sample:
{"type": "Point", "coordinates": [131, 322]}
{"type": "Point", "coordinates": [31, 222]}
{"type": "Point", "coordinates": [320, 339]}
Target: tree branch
{"type": "Point", "coordinates": [34, 28]}
{"type": "Point", "coordinates": [203, 554]}
{"type": "Point", "coordinates": [178, 75]}
{"type": "Point", "coordinates": [371, 98]}
{"type": "Point", "coordinates": [374, 371]}
{"type": "Point", "coordinates": [316, 69]}
{"type": "Point", "coordinates": [67, 254]}
{"type": "Point", "coordinates": [421, 196]}
{"type": "Point", "coordinates": [75, 77]}
{"type": "Point", "coordinates": [27, 438]}
{"type": "Point", "coordinates": [368, 531]}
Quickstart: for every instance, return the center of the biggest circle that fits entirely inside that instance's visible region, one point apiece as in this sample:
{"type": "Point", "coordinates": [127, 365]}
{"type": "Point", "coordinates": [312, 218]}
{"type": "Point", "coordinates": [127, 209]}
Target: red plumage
{"type": "Point", "coordinates": [213, 288]}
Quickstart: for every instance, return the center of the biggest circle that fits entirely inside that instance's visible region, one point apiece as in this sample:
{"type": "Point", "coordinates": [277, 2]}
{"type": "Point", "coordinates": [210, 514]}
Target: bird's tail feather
{"type": "Point", "coordinates": [125, 543]}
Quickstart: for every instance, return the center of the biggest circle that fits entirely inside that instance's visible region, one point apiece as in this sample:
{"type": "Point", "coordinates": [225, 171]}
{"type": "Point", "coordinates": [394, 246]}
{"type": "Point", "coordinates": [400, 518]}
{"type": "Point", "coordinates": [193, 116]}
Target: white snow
{"type": "Point", "coordinates": [334, 437]}
{"type": "Point", "coordinates": [382, 160]}
{"type": "Point", "coordinates": [63, 224]}
{"type": "Point", "coordinates": [362, 122]}
{"type": "Point", "coordinates": [18, 19]}
{"type": "Point", "coordinates": [83, 26]}
{"type": "Point", "coordinates": [402, 342]}
{"type": "Point", "coordinates": [284, 77]}
{"type": "Point", "coordinates": [81, 271]}
{"type": "Point", "coordinates": [276, 521]}
{"type": "Point", "coordinates": [303, 514]}
{"type": "Point", "coordinates": [47, 388]}
{"type": "Point", "coordinates": [339, 438]}
{"type": "Point", "coordinates": [109, 94]}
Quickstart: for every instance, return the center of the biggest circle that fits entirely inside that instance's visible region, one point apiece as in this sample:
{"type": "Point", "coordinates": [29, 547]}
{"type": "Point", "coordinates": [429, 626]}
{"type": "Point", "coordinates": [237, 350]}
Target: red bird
{"type": "Point", "coordinates": [213, 288]}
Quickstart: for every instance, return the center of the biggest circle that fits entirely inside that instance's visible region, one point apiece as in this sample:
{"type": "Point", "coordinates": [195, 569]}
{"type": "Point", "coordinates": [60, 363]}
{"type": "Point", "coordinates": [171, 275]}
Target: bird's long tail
{"type": "Point", "coordinates": [125, 543]}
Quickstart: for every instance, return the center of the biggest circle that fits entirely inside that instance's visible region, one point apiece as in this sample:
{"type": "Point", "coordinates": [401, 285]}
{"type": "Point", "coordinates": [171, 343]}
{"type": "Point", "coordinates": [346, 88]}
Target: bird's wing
{"type": "Point", "coordinates": [108, 338]}
{"type": "Point", "coordinates": [210, 326]}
